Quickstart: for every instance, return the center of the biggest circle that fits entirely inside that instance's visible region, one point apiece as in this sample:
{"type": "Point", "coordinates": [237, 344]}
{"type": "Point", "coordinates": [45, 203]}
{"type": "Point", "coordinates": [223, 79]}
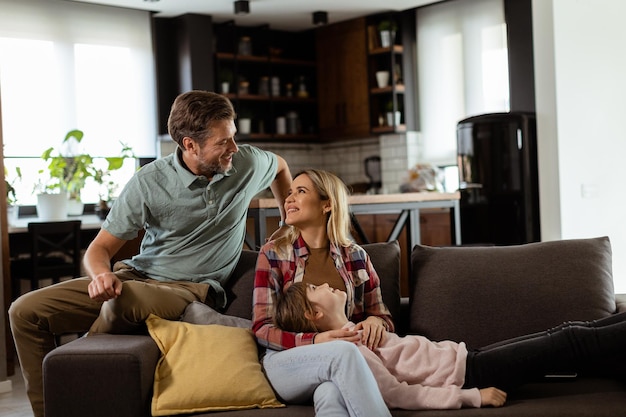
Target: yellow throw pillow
{"type": "Point", "coordinates": [206, 368]}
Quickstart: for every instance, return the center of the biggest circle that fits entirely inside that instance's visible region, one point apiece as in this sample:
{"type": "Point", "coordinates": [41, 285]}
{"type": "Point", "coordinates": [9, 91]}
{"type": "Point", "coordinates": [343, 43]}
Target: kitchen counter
{"type": "Point", "coordinates": [408, 205]}
{"type": "Point", "coordinates": [358, 199]}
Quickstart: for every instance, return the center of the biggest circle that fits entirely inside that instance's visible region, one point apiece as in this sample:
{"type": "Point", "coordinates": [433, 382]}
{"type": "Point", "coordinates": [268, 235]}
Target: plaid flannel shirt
{"type": "Point", "coordinates": [276, 271]}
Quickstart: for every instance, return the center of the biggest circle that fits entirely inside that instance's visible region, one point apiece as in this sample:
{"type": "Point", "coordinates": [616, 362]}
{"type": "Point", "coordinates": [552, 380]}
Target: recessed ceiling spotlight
{"type": "Point", "coordinates": [320, 18]}
{"type": "Point", "coordinates": [242, 7]}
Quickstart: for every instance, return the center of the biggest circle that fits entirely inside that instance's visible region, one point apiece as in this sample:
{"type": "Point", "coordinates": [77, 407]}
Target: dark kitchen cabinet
{"type": "Point", "coordinates": [342, 78]}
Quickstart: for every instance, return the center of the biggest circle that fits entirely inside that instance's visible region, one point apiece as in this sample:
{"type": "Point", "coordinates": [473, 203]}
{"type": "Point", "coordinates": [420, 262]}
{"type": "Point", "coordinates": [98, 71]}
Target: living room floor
{"type": "Point", "coordinates": [15, 403]}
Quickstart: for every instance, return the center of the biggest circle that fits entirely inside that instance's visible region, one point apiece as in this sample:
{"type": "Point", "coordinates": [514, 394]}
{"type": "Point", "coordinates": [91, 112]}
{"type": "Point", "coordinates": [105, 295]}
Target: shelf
{"type": "Point", "coordinates": [302, 136]}
{"type": "Point", "coordinates": [396, 49]}
{"type": "Point", "coordinates": [388, 59]}
{"type": "Point", "coordinates": [279, 99]}
{"type": "Point", "coordinates": [270, 136]}
{"type": "Point", "coordinates": [287, 61]}
{"type": "Point", "coordinates": [389, 129]}
{"type": "Point", "coordinates": [250, 97]}
{"type": "Point", "coordinates": [227, 56]}
{"type": "Point", "coordinates": [296, 100]}
{"type": "Point", "coordinates": [389, 89]}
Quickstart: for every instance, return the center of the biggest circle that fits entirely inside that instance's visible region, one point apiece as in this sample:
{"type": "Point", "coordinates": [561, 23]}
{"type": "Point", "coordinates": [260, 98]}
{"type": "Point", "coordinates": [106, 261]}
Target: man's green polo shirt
{"type": "Point", "coordinates": [195, 229]}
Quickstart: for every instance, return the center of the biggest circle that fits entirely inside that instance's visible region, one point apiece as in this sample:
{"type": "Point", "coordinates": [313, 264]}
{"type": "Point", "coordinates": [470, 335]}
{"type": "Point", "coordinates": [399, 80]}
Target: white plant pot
{"type": "Point", "coordinates": [387, 37]}
{"type": "Point", "coordinates": [75, 207]}
{"type": "Point", "coordinates": [225, 87]}
{"type": "Point", "coordinates": [12, 214]}
{"type": "Point", "coordinates": [382, 78]}
{"type": "Point", "coordinates": [394, 117]}
{"type": "Point", "coordinates": [244, 126]}
{"type": "Point", "coordinates": [52, 207]}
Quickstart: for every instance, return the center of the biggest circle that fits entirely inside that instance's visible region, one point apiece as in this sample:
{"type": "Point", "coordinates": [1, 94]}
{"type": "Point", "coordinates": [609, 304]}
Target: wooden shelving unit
{"type": "Point", "coordinates": [275, 59]}
{"type": "Point", "coordinates": [386, 102]}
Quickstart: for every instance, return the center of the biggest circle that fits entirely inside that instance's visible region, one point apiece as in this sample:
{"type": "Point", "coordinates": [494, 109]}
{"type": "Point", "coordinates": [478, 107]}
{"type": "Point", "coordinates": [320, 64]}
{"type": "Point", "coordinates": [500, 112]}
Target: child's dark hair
{"type": "Point", "coordinates": [291, 307]}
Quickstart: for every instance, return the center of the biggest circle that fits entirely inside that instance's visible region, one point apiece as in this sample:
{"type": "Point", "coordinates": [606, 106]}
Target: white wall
{"type": "Point", "coordinates": [580, 67]}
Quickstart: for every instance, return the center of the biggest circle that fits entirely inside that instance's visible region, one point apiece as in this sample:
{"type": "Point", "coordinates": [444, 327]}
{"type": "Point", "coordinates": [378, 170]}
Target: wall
{"type": "Point", "coordinates": [344, 158]}
{"type": "Point", "coordinates": [580, 62]}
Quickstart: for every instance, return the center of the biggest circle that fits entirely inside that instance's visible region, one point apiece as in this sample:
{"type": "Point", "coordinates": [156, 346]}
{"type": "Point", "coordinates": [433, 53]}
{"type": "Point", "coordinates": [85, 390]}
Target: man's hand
{"type": "Point", "coordinates": [104, 287]}
{"type": "Point", "coordinates": [341, 334]}
{"type": "Point", "coordinates": [492, 397]}
{"type": "Point", "coordinates": [374, 331]}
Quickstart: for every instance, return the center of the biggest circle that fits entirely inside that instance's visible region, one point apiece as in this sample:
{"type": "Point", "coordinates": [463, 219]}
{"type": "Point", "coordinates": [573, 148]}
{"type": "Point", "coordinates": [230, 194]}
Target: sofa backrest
{"type": "Point", "coordinates": [385, 258]}
{"type": "Point", "coordinates": [482, 295]}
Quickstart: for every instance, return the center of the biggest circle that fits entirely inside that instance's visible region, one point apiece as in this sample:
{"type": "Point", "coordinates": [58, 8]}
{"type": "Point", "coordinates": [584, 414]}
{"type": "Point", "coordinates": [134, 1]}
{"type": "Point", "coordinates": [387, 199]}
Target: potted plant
{"type": "Point", "coordinates": [12, 207]}
{"type": "Point", "coordinates": [226, 79]}
{"type": "Point", "coordinates": [387, 29]}
{"type": "Point", "coordinates": [244, 122]}
{"type": "Point", "coordinates": [69, 169]}
{"type": "Point", "coordinates": [393, 117]}
{"type": "Point", "coordinates": [108, 186]}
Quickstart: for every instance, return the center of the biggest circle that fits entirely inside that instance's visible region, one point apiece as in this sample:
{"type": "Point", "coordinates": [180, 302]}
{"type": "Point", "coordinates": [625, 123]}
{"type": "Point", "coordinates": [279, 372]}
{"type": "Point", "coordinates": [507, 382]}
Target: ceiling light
{"type": "Point", "coordinates": [320, 18]}
{"type": "Point", "coordinates": [242, 7]}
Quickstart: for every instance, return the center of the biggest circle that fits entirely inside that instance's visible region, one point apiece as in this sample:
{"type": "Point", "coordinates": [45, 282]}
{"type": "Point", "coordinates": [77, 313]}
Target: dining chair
{"type": "Point", "coordinates": [55, 253]}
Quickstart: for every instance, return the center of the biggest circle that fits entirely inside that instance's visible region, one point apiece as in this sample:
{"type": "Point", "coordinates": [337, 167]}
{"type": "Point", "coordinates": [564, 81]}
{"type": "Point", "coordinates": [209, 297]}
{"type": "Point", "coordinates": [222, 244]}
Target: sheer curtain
{"type": "Point", "coordinates": [462, 70]}
{"type": "Point", "coordinates": [66, 65]}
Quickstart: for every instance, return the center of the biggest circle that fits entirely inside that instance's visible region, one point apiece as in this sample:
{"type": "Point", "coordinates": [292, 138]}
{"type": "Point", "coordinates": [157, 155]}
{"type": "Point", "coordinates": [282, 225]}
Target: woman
{"type": "Point", "coordinates": [415, 373]}
{"type": "Point", "coordinates": [318, 249]}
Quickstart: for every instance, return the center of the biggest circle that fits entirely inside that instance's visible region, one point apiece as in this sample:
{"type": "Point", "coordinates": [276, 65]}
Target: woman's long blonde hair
{"type": "Point", "coordinates": [330, 188]}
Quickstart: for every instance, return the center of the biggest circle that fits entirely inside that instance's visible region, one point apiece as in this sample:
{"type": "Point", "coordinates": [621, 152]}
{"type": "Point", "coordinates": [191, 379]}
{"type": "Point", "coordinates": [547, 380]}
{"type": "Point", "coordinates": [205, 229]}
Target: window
{"type": "Point", "coordinates": [462, 70]}
{"type": "Point", "coordinates": [66, 65]}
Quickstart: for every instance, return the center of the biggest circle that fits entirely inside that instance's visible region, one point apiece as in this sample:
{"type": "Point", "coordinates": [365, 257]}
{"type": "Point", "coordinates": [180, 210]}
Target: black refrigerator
{"type": "Point", "coordinates": [498, 179]}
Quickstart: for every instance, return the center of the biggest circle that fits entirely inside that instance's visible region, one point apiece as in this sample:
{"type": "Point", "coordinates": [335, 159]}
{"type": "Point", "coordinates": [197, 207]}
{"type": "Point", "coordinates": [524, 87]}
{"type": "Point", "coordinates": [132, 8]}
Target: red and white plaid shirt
{"type": "Point", "coordinates": [277, 270]}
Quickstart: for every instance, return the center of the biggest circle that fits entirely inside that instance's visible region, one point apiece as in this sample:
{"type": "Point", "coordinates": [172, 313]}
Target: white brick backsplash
{"type": "Point", "coordinates": [398, 153]}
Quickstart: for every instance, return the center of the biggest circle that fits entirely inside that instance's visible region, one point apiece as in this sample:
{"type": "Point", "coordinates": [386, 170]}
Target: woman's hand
{"type": "Point", "coordinates": [492, 397]}
{"type": "Point", "coordinates": [341, 334]}
{"type": "Point", "coordinates": [374, 331]}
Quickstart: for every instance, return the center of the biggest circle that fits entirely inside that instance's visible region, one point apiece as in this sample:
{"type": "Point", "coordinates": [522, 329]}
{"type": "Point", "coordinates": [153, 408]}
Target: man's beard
{"type": "Point", "coordinates": [212, 168]}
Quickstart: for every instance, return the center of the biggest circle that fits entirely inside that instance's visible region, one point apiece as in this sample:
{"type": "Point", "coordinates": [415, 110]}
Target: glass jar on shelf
{"type": "Point", "coordinates": [264, 86]}
{"type": "Point", "coordinates": [302, 91]}
{"type": "Point", "coordinates": [244, 88]}
{"type": "Point", "coordinates": [245, 45]}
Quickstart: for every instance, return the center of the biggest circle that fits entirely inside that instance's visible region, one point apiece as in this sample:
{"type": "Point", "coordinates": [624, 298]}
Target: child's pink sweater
{"type": "Point", "coordinates": [414, 373]}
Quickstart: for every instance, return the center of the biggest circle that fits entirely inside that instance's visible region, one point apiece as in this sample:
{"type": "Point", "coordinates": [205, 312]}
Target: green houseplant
{"type": "Point", "coordinates": [393, 115]}
{"type": "Point", "coordinates": [387, 29]}
{"type": "Point", "coordinates": [226, 79]}
{"type": "Point", "coordinates": [12, 207]}
{"type": "Point", "coordinates": [69, 170]}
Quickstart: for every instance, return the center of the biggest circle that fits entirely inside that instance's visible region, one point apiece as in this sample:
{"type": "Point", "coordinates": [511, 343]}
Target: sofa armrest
{"type": "Point", "coordinates": [620, 302]}
{"type": "Point", "coordinates": [101, 375]}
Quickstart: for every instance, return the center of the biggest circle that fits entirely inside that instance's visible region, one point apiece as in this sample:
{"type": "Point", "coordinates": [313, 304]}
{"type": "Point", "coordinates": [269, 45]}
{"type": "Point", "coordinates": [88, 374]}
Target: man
{"type": "Point", "coordinates": [192, 205]}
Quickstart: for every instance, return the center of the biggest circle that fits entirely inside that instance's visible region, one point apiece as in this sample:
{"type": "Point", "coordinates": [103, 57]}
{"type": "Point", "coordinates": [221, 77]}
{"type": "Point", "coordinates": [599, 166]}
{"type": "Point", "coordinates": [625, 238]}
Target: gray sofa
{"type": "Point", "coordinates": [479, 295]}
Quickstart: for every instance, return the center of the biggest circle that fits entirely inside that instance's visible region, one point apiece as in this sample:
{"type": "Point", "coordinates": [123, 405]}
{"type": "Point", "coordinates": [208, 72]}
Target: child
{"type": "Point", "coordinates": [415, 373]}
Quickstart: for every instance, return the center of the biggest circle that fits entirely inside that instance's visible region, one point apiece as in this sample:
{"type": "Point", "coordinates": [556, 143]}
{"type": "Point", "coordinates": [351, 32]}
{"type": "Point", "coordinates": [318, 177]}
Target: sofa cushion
{"type": "Point", "coordinates": [200, 313]}
{"type": "Point", "coordinates": [240, 286]}
{"type": "Point", "coordinates": [386, 260]}
{"type": "Point", "coordinates": [206, 367]}
{"type": "Point", "coordinates": [482, 295]}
